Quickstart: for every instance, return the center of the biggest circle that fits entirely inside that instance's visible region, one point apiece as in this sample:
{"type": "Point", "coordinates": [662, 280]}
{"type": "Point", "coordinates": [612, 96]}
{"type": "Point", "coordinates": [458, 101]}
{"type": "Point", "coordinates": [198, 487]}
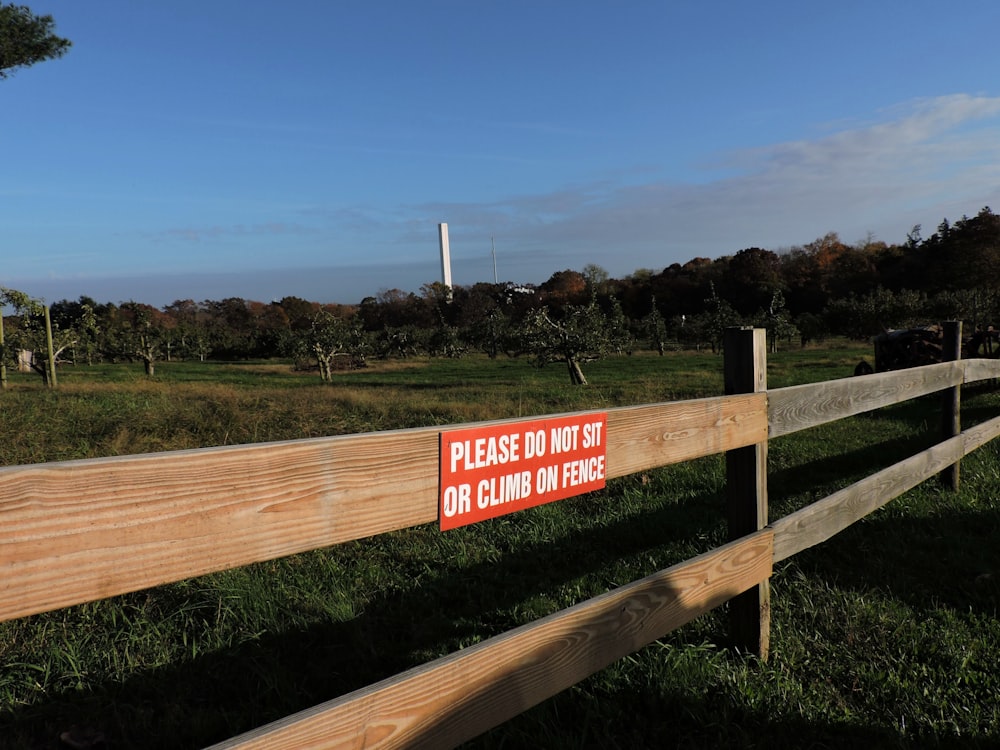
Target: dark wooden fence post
{"type": "Point", "coordinates": [951, 418]}
{"type": "Point", "coordinates": [745, 369]}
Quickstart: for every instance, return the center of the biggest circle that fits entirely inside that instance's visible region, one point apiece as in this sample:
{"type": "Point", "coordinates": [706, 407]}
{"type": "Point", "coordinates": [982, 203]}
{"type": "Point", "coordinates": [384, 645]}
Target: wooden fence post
{"type": "Point", "coordinates": [3, 357]}
{"type": "Point", "coordinates": [745, 369]}
{"type": "Point", "coordinates": [951, 418]}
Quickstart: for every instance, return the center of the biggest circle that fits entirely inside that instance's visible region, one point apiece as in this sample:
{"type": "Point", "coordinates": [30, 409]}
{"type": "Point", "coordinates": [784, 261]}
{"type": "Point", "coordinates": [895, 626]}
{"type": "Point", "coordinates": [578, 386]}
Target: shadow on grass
{"type": "Point", "coordinates": [944, 551]}
{"type": "Point", "coordinates": [215, 696]}
{"type": "Point", "coordinates": [828, 474]}
{"type": "Point", "coordinates": [925, 563]}
{"type": "Point", "coordinates": [950, 558]}
{"type": "Point", "coordinates": [218, 695]}
{"type": "Point", "coordinates": [661, 719]}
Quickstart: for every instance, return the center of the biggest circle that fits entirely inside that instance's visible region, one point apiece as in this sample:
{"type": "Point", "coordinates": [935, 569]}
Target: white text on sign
{"type": "Point", "coordinates": [497, 469]}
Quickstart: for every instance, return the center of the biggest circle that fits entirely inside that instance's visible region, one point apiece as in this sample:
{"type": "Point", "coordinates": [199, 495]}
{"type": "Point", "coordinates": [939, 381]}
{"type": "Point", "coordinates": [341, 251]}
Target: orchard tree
{"type": "Point", "coordinates": [446, 340]}
{"type": "Point", "coordinates": [777, 321]}
{"type": "Point", "coordinates": [26, 39]}
{"type": "Point", "coordinates": [654, 327]}
{"type": "Point", "coordinates": [330, 336]}
{"type": "Point", "coordinates": [82, 317]}
{"type": "Point", "coordinates": [479, 317]}
{"type": "Point", "coordinates": [490, 332]}
{"type": "Point", "coordinates": [979, 307]}
{"type": "Point", "coordinates": [860, 317]}
{"type": "Point", "coordinates": [581, 333]}
{"type": "Point", "coordinates": [191, 327]}
{"type": "Point", "coordinates": [143, 335]}
{"type": "Point", "coordinates": [810, 328]}
{"type": "Point", "coordinates": [34, 333]}
{"type": "Point", "coordinates": [21, 304]}
{"type": "Point", "coordinates": [718, 316]}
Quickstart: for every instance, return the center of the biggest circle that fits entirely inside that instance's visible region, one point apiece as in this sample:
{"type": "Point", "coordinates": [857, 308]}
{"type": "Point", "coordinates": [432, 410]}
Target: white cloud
{"type": "Point", "coordinates": [915, 164]}
{"type": "Point", "coordinates": [918, 163]}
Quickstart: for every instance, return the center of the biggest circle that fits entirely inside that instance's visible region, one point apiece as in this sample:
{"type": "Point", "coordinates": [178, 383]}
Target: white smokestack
{"type": "Point", "coordinates": [445, 255]}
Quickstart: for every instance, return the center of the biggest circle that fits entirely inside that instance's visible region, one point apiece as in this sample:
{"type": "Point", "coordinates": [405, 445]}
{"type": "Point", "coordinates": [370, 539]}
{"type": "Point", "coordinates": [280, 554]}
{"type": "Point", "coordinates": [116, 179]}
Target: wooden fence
{"type": "Point", "coordinates": [67, 526]}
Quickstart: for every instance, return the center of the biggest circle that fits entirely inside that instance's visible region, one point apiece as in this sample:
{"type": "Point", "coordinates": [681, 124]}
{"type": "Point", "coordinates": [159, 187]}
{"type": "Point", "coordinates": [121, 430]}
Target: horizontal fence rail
{"type": "Point", "coordinates": [457, 697]}
{"type": "Point", "coordinates": [800, 407]}
{"type": "Point", "coordinates": [67, 527]}
{"type": "Point", "coordinates": [824, 518]}
{"type": "Point", "coordinates": [176, 515]}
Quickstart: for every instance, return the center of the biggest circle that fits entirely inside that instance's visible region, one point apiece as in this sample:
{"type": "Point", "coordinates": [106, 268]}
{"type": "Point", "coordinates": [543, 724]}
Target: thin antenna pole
{"type": "Point", "coordinates": [493, 249]}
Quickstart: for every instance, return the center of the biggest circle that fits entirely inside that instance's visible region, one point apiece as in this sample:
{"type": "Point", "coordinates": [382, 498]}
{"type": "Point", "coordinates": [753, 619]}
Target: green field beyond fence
{"type": "Point", "coordinates": [125, 621]}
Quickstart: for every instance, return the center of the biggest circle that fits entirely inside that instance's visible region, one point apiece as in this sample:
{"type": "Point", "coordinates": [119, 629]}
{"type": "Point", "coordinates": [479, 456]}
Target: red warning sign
{"type": "Point", "coordinates": [498, 469]}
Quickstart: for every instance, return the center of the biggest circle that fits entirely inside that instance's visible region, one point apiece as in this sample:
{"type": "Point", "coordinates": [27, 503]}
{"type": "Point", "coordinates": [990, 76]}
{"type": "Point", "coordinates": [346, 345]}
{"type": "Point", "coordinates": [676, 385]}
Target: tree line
{"type": "Point", "coordinates": [823, 288]}
{"type": "Point", "coordinates": [807, 292]}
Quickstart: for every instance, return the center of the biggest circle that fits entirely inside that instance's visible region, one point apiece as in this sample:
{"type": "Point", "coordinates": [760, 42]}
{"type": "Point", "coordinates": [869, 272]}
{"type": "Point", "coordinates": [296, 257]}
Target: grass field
{"type": "Point", "coordinates": [885, 636]}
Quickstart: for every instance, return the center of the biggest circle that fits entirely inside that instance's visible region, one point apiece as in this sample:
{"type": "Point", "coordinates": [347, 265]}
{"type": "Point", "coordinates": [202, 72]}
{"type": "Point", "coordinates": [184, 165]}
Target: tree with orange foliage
{"type": "Point", "coordinates": [564, 288]}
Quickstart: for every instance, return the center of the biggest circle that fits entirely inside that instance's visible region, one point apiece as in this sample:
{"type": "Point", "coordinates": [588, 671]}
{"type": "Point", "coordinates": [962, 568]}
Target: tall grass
{"type": "Point", "coordinates": [885, 636]}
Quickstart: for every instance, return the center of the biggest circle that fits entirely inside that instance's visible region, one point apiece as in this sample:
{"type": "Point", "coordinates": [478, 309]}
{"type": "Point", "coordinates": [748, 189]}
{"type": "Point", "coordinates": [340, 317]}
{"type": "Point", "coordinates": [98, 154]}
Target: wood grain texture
{"type": "Point", "coordinates": [827, 517]}
{"type": "Point", "coordinates": [644, 437]}
{"type": "Point", "coordinates": [457, 697]}
{"type": "Point", "coordinates": [979, 435]}
{"type": "Point", "coordinates": [981, 369]}
{"type": "Point", "coordinates": [799, 407]}
{"type": "Point", "coordinates": [83, 530]}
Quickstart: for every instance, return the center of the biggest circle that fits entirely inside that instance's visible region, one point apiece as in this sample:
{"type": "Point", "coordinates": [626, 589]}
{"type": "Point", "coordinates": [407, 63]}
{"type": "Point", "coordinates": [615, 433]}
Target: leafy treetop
{"type": "Point", "coordinates": [26, 39]}
{"type": "Point", "coordinates": [20, 301]}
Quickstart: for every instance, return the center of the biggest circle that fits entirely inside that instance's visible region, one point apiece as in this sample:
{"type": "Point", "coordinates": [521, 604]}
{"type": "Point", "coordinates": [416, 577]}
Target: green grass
{"type": "Point", "coordinates": [885, 636]}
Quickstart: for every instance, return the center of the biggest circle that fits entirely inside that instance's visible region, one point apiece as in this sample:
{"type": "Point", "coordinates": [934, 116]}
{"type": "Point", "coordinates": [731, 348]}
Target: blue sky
{"type": "Point", "coordinates": [213, 148]}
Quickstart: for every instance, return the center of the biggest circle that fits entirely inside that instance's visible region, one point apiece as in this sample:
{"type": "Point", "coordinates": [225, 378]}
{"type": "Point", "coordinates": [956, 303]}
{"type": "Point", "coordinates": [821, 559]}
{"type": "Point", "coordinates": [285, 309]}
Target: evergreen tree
{"type": "Point", "coordinates": [26, 39]}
